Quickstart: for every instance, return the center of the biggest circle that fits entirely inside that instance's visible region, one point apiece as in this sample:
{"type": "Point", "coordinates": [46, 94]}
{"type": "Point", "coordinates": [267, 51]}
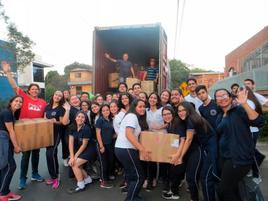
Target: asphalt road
{"type": "Point", "coordinates": [36, 191]}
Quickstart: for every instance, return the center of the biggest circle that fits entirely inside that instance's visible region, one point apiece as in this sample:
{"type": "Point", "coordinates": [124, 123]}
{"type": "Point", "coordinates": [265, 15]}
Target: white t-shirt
{"type": "Point", "coordinates": [252, 106]}
{"type": "Point", "coordinates": [195, 100]}
{"type": "Point", "coordinates": [155, 119]}
{"type": "Point", "coordinates": [117, 121]}
{"type": "Point", "coordinates": [261, 98]}
{"type": "Point", "coordinates": [129, 121]}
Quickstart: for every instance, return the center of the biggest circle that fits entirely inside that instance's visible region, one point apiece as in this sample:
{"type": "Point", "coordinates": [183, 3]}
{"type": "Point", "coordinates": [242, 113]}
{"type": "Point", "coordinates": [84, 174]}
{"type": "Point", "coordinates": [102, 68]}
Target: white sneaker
{"type": "Point", "coordinates": [65, 162]}
{"type": "Point", "coordinates": [88, 180]}
{"type": "Point", "coordinates": [145, 184]}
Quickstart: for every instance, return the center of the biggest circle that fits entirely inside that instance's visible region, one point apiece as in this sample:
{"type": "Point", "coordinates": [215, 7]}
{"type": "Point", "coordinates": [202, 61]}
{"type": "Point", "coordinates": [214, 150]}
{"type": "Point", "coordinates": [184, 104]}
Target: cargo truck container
{"type": "Point", "coordinates": [141, 42]}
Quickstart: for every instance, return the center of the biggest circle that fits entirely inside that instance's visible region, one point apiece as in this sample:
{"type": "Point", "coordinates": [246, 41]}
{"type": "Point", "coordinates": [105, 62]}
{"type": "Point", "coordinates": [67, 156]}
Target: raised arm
{"type": "Point", "coordinates": [6, 69]}
{"type": "Point", "coordinates": [110, 58]}
{"type": "Point", "coordinates": [132, 71]}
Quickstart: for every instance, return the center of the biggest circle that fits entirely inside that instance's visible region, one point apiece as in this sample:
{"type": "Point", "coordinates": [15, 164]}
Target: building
{"type": "Point", "coordinates": [80, 80]}
{"type": "Point", "coordinates": [6, 91]}
{"type": "Point", "coordinates": [34, 73]}
{"type": "Point", "coordinates": [249, 60]}
{"type": "Point", "coordinates": [207, 78]}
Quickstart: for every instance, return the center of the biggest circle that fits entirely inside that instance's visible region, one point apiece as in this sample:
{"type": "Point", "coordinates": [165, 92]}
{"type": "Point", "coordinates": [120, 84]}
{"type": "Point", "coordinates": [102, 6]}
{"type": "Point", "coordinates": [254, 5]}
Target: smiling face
{"type": "Point", "coordinates": [80, 119]}
{"type": "Point", "coordinates": [153, 100]}
{"type": "Point", "coordinates": [84, 97]}
{"type": "Point", "coordinates": [57, 96]}
{"type": "Point", "coordinates": [105, 111]}
{"type": "Point", "coordinates": [84, 107]}
{"type": "Point", "coordinates": [122, 88]}
{"type": "Point", "coordinates": [223, 99]}
{"type": "Point", "coordinates": [75, 101]}
{"type": "Point", "coordinates": [164, 97]}
{"type": "Point", "coordinates": [109, 98]}
{"type": "Point", "coordinates": [137, 90]}
{"type": "Point", "coordinates": [140, 108]}
{"type": "Point", "coordinates": [125, 100]}
{"type": "Point", "coordinates": [182, 112]}
{"type": "Point", "coordinates": [191, 85]}
{"type": "Point", "coordinates": [167, 116]}
{"type": "Point", "coordinates": [175, 97]}
{"type": "Point", "coordinates": [142, 96]}
{"type": "Point", "coordinates": [34, 91]}
{"type": "Point", "coordinates": [95, 108]}
{"type": "Point", "coordinates": [114, 108]}
{"type": "Point", "coordinates": [16, 104]}
{"type": "Point", "coordinates": [99, 100]}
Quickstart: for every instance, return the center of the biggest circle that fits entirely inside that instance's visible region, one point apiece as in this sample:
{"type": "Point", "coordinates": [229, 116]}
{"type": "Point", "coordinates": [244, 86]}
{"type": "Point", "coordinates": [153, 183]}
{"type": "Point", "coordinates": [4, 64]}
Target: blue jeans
{"type": "Point", "coordinates": [7, 172]}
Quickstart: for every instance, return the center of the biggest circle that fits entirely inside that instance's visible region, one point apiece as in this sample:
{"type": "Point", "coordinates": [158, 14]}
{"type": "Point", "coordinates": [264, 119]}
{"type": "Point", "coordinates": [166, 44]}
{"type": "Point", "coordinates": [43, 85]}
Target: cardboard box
{"type": "Point", "coordinates": [131, 81]}
{"type": "Point", "coordinates": [161, 145]}
{"type": "Point", "coordinates": [113, 80]}
{"type": "Point", "coordinates": [148, 86]}
{"type": "Point", "coordinates": [34, 133]}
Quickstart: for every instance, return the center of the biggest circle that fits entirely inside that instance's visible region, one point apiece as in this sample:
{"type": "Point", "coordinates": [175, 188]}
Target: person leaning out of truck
{"type": "Point", "coordinates": [125, 67]}
{"type": "Point", "coordinates": [8, 145]}
{"type": "Point", "coordinates": [152, 71]}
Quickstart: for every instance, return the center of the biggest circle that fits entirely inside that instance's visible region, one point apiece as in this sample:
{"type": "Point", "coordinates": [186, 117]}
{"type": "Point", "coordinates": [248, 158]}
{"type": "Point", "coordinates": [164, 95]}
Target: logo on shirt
{"type": "Point", "coordinates": [213, 112]}
{"type": "Point", "coordinates": [53, 113]}
{"type": "Point", "coordinates": [36, 108]}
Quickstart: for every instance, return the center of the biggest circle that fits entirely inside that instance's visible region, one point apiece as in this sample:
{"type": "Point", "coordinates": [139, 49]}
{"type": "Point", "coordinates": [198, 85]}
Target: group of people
{"type": "Point", "coordinates": [217, 139]}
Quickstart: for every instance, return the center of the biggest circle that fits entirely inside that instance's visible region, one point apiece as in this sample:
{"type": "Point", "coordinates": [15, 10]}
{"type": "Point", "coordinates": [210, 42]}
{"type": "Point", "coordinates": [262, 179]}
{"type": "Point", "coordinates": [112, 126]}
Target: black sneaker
{"type": "Point", "coordinates": [170, 196]}
{"type": "Point", "coordinates": [76, 190]}
{"type": "Point", "coordinates": [124, 190]}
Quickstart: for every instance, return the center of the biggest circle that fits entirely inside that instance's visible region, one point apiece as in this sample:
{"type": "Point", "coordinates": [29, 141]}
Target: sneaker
{"type": "Point", "coordinates": [170, 196]}
{"type": "Point", "coordinates": [124, 190]}
{"type": "Point", "coordinates": [166, 188]}
{"type": "Point", "coordinates": [105, 184]}
{"type": "Point", "coordinates": [145, 184]}
{"type": "Point", "coordinates": [37, 177]}
{"type": "Point", "coordinates": [88, 181]}
{"type": "Point", "coordinates": [149, 187]}
{"type": "Point", "coordinates": [65, 163]}
{"type": "Point", "coordinates": [123, 185]}
{"type": "Point", "coordinates": [22, 184]}
{"type": "Point", "coordinates": [154, 183]}
{"type": "Point", "coordinates": [112, 177]}
{"type": "Point", "coordinates": [3, 198]}
{"type": "Point", "coordinates": [49, 181]}
{"type": "Point", "coordinates": [75, 190]}
{"type": "Point", "coordinates": [257, 180]}
{"type": "Point", "coordinates": [13, 196]}
{"type": "Point", "coordinates": [56, 184]}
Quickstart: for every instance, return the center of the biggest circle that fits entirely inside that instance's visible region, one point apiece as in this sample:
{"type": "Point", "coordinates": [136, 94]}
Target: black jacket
{"type": "Point", "coordinates": [235, 138]}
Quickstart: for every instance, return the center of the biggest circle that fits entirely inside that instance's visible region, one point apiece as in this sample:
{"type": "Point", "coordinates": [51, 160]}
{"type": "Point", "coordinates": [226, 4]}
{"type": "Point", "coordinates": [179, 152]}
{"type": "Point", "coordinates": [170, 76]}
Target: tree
{"type": "Point", "coordinates": [179, 72]}
{"type": "Point", "coordinates": [19, 44]}
{"type": "Point", "coordinates": [74, 65]}
{"type": "Point", "coordinates": [199, 70]}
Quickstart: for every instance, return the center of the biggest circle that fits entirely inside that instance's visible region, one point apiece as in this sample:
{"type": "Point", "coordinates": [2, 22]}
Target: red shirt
{"type": "Point", "coordinates": [31, 108]}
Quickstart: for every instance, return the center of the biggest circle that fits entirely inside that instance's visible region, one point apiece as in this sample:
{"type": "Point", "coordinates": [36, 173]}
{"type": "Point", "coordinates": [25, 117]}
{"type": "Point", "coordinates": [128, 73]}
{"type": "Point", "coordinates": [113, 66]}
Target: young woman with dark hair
{"type": "Point", "coordinates": [174, 174]}
{"type": "Point", "coordinates": [55, 111]}
{"type": "Point", "coordinates": [105, 134]}
{"type": "Point", "coordinates": [156, 123]}
{"type": "Point", "coordinates": [9, 145]}
{"type": "Point", "coordinates": [85, 107]}
{"type": "Point", "coordinates": [235, 144]}
{"type": "Point", "coordinates": [198, 153]}
{"type": "Point", "coordinates": [114, 109]}
{"type": "Point", "coordinates": [82, 149]}
{"type": "Point", "coordinates": [127, 148]}
{"type": "Point", "coordinates": [94, 115]}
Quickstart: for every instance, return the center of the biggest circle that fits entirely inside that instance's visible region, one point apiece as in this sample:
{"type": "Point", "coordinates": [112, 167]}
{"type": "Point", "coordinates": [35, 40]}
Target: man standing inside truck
{"type": "Point", "coordinates": [152, 71]}
{"type": "Point", "coordinates": [125, 66]}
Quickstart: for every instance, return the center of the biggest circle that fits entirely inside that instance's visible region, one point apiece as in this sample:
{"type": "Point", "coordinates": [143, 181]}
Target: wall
{"type": "Point", "coordinates": [85, 76]}
{"type": "Point", "coordinates": [208, 79]}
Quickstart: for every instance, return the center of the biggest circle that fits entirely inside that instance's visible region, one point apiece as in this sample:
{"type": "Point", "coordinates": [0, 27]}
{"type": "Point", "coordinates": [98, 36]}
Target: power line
{"type": "Point", "coordinates": [176, 28]}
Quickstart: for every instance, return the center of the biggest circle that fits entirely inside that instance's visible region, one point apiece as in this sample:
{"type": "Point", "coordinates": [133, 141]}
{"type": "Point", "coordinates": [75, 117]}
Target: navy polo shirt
{"type": "Point", "coordinates": [210, 112]}
{"type": "Point", "coordinates": [175, 127]}
{"type": "Point", "coordinates": [6, 116]}
{"type": "Point", "coordinates": [56, 113]}
{"type": "Point", "coordinates": [83, 133]}
{"type": "Point", "coordinates": [107, 129]}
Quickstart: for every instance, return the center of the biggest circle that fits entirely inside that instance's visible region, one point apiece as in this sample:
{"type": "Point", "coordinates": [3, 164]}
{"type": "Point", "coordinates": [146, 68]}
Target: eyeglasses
{"type": "Point", "coordinates": [222, 97]}
{"type": "Point", "coordinates": [167, 114]}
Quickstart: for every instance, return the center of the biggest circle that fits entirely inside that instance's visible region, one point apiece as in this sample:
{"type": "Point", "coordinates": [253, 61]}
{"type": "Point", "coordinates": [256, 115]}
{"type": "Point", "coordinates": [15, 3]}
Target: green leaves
{"type": "Point", "coordinates": [179, 72]}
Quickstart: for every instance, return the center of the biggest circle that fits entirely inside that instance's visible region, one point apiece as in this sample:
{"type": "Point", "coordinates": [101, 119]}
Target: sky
{"type": "Point", "coordinates": [207, 30]}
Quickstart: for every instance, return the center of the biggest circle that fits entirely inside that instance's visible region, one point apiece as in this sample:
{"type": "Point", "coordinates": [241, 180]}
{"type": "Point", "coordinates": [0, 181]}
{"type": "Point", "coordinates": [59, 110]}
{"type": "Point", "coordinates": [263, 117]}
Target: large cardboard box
{"type": "Point", "coordinates": [161, 145]}
{"type": "Point", "coordinates": [131, 81]}
{"type": "Point", "coordinates": [148, 86]}
{"type": "Point", "coordinates": [113, 80]}
{"type": "Point", "coordinates": [34, 133]}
